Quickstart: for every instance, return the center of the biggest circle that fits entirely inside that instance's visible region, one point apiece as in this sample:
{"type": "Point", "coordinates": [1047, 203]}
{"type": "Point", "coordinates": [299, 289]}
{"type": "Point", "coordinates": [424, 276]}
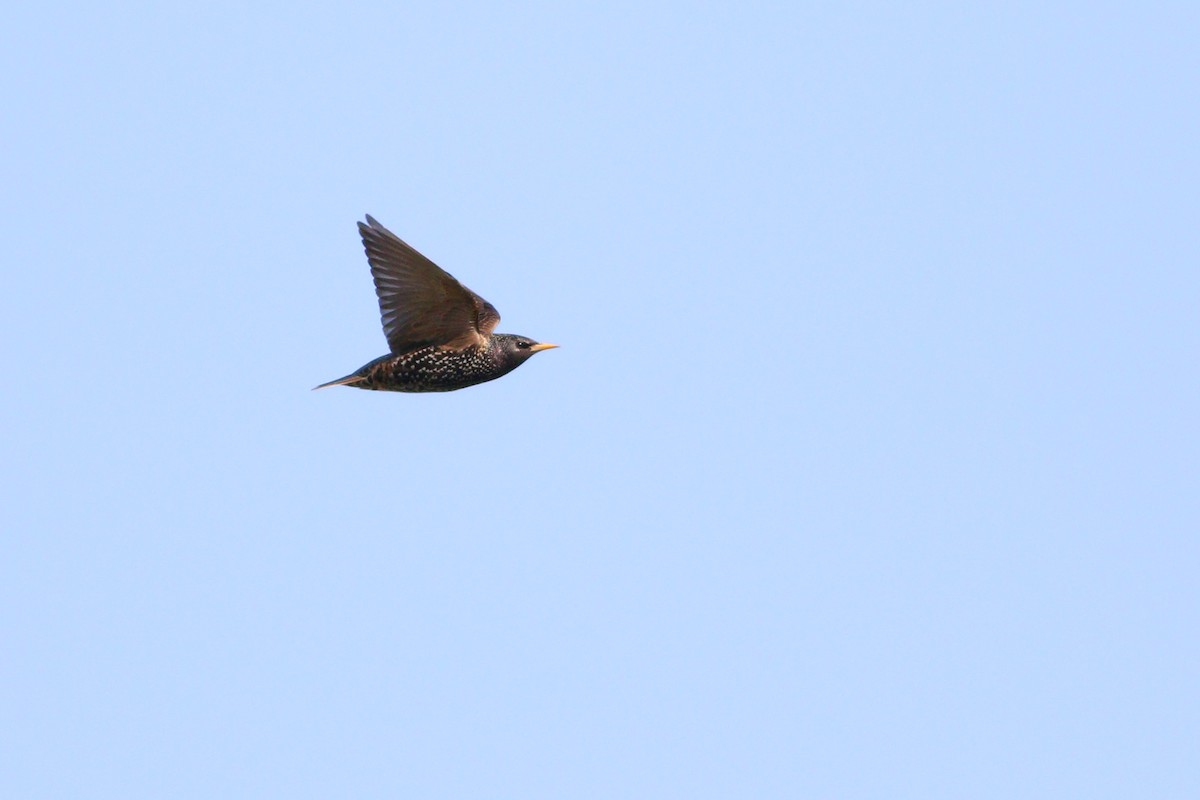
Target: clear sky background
{"type": "Point", "coordinates": [867, 467]}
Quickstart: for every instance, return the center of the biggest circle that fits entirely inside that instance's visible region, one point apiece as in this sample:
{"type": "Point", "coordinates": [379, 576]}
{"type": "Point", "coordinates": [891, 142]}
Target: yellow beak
{"type": "Point", "coordinates": [538, 347]}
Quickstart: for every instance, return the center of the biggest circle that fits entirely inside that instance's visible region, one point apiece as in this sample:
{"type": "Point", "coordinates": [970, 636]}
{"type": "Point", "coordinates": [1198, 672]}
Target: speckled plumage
{"type": "Point", "coordinates": [432, 369]}
{"type": "Point", "coordinates": [439, 331]}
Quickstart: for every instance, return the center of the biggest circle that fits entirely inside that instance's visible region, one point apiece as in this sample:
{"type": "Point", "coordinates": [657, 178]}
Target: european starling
{"type": "Point", "coordinates": [439, 331]}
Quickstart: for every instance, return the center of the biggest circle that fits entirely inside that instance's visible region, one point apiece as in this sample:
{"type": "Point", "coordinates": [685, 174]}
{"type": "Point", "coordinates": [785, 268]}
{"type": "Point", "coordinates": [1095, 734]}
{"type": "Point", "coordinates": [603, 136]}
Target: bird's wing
{"type": "Point", "coordinates": [420, 303]}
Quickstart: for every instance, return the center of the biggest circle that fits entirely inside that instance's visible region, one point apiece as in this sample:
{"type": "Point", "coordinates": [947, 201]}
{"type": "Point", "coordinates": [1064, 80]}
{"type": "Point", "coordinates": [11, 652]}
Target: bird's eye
{"type": "Point", "coordinates": [524, 345]}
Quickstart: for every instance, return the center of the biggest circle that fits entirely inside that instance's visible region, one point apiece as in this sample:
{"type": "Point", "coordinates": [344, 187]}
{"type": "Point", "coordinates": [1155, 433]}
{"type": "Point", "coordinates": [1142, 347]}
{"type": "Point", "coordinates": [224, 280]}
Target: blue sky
{"type": "Point", "coordinates": [867, 467]}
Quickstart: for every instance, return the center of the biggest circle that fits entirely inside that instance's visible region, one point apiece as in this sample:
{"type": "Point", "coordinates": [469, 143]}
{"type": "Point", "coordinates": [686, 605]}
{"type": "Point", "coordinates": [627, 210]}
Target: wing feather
{"type": "Point", "coordinates": [420, 304]}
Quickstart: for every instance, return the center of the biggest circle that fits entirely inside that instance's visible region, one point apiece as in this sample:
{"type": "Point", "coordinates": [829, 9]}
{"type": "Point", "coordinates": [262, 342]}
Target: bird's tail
{"type": "Point", "coordinates": [349, 380]}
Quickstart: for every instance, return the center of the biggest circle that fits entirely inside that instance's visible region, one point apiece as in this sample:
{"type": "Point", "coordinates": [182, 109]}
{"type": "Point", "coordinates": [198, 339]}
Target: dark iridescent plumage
{"type": "Point", "coordinates": [439, 331]}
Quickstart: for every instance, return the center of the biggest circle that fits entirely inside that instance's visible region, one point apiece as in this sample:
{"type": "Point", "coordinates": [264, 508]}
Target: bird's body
{"type": "Point", "coordinates": [439, 331]}
{"type": "Point", "coordinates": [432, 369]}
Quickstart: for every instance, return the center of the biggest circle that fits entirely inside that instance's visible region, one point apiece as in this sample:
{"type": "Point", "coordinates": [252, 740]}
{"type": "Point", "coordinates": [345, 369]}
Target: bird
{"type": "Point", "coordinates": [439, 332]}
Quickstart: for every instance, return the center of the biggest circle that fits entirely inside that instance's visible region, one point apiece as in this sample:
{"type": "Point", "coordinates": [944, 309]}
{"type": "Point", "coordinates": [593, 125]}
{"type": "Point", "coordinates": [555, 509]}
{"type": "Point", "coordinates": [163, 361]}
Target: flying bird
{"type": "Point", "coordinates": [439, 331]}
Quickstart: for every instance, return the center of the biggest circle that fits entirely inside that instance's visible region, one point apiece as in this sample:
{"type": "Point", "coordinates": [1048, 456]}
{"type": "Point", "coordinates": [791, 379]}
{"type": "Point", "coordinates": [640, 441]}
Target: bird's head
{"type": "Point", "coordinates": [518, 348]}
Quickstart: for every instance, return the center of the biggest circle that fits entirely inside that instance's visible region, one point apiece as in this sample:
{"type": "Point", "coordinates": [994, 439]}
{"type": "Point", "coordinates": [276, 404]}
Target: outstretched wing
{"type": "Point", "coordinates": [419, 302]}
